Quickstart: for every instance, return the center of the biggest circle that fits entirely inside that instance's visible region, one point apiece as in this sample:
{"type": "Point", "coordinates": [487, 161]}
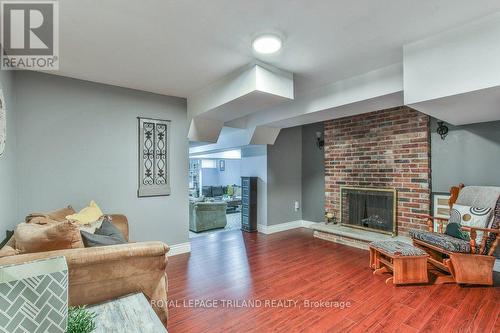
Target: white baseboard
{"type": "Point", "coordinates": [179, 249]}
{"type": "Point", "coordinates": [271, 229]}
{"type": "Point", "coordinates": [307, 224]}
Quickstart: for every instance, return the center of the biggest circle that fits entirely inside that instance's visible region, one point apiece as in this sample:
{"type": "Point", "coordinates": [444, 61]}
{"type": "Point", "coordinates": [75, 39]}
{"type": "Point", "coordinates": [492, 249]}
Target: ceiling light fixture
{"type": "Point", "coordinates": [267, 44]}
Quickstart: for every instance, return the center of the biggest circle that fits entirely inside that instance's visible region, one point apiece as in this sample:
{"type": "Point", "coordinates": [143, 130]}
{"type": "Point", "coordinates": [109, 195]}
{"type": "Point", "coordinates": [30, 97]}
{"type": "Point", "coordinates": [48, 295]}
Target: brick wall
{"type": "Point", "coordinates": [382, 149]}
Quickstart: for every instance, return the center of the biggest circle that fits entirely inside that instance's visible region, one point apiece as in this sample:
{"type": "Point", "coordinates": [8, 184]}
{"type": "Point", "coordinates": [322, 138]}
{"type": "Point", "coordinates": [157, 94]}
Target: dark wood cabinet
{"type": "Point", "coordinates": [249, 204]}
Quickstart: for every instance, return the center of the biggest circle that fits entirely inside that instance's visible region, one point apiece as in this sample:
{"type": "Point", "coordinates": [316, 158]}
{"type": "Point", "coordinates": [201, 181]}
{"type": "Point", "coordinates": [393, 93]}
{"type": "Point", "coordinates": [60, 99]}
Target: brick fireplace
{"type": "Point", "coordinates": [387, 149]}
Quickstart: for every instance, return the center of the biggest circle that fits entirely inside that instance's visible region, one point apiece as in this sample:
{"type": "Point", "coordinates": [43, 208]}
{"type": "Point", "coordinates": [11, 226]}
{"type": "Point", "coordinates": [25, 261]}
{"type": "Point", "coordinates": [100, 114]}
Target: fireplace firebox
{"type": "Point", "coordinates": [369, 208]}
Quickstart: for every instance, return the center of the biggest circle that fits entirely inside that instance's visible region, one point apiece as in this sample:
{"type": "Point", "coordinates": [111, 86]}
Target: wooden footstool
{"type": "Point", "coordinates": [407, 263]}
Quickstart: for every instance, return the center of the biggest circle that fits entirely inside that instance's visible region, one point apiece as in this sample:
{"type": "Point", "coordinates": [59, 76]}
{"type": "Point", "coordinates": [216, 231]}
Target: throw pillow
{"type": "Point", "coordinates": [470, 217]}
{"type": "Point", "coordinates": [91, 240]}
{"type": "Point", "coordinates": [87, 215]}
{"type": "Point", "coordinates": [57, 215]}
{"type": "Point", "coordinates": [91, 227]}
{"type": "Point", "coordinates": [12, 241]}
{"type": "Point", "coordinates": [40, 219]}
{"type": "Point", "coordinates": [8, 251]}
{"type": "Point", "coordinates": [455, 230]}
{"type": "Point", "coordinates": [107, 234]}
{"type": "Point", "coordinates": [108, 229]}
{"type": "Point", "coordinates": [60, 214]}
{"type": "Point", "coordinates": [30, 237]}
{"type": "Point", "coordinates": [8, 236]}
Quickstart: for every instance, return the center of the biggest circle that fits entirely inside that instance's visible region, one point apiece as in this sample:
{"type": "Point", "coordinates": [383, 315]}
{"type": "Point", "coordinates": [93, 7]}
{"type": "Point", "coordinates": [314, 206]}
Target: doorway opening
{"type": "Point", "coordinates": [214, 193]}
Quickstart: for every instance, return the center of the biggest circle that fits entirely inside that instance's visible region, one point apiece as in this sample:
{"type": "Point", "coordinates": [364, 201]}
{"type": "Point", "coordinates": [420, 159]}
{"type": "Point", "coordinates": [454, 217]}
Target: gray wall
{"type": "Point", "coordinates": [254, 164]}
{"type": "Point", "coordinates": [313, 174]}
{"type": "Point", "coordinates": [209, 177]}
{"type": "Point", "coordinates": [232, 173]}
{"type": "Point", "coordinates": [284, 177]}
{"type": "Point", "coordinates": [8, 175]}
{"type": "Point", "coordinates": [470, 154]}
{"type": "Point", "coordinates": [77, 141]}
{"type": "Point", "coordinates": [230, 176]}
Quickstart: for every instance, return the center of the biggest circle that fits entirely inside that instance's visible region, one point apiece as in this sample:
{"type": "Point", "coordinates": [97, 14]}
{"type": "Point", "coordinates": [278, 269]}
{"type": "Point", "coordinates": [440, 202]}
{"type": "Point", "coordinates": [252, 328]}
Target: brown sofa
{"type": "Point", "coordinates": [99, 274]}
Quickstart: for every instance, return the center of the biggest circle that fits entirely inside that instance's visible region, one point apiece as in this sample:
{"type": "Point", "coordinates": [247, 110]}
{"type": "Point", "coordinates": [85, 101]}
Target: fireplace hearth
{"type": "Point", "coordinates": [368, 208]}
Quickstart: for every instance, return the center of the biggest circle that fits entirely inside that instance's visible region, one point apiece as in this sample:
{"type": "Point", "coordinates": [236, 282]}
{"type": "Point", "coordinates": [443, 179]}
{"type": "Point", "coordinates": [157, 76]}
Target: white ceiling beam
{"type": "Point", "coordinates": [364, 106]}
{"type": "Point", "coordinates": [457, 61]}
{"type": "Point", "coordinates": [455, 75]}
{"type": "Point", "coordinates": [231, 138]}
{"type": "Point", "coordinates": [311, 106]}
{"type": "Point", "coordinates": [264, 135]}
{"type": "Point", "coordinates": [249, 90]}
{"type": "Point", "coordinates": [204, 130]}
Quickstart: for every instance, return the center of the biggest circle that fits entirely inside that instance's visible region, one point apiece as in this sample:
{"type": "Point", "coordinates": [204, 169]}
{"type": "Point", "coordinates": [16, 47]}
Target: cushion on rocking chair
{"type": "Point", "coordinates": [442, 241]}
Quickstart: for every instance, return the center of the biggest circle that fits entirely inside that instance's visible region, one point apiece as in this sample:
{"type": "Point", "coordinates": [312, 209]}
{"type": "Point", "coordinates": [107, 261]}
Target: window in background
{"type": "Point", "coordinates": [208, 164]}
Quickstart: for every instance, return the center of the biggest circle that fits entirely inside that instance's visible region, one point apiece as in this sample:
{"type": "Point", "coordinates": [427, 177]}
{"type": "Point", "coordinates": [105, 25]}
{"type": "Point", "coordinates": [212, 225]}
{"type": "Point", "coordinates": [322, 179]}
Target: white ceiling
{"type": "Point", "coordinates": [176, 47]}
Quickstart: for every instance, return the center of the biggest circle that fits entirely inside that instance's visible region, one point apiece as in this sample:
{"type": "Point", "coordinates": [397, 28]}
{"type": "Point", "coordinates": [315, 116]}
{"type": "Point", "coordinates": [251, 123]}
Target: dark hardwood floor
{"type": "Point", "coordinates": [292, 266]}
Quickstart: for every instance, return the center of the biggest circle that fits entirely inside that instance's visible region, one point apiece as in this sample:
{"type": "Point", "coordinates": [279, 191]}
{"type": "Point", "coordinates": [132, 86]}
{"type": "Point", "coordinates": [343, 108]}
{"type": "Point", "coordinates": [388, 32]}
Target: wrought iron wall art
{"type": "Point", "coordinates": [154, 157]}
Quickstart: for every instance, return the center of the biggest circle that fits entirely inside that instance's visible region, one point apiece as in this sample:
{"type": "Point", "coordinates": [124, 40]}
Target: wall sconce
{"type": "Point", "coordinates": [320, 142]}
{"type": "Point", "coordinates": [442, 130]}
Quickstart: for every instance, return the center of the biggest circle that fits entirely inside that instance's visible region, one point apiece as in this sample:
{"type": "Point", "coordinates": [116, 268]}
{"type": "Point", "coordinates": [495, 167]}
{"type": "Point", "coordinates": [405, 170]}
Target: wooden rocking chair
{"type": "Point", "coordinates": [464, 262]}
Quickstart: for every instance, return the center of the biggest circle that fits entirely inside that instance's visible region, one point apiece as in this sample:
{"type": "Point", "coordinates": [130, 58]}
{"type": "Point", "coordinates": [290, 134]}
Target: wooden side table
{"type": "Point", "coordinates": [407, 263]}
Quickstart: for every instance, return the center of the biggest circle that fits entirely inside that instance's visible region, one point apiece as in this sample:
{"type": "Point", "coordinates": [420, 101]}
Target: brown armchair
{"type": "Point", "coordinates": [98, 274]}
{"type": "Point", "coordinates": [467, 262]}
